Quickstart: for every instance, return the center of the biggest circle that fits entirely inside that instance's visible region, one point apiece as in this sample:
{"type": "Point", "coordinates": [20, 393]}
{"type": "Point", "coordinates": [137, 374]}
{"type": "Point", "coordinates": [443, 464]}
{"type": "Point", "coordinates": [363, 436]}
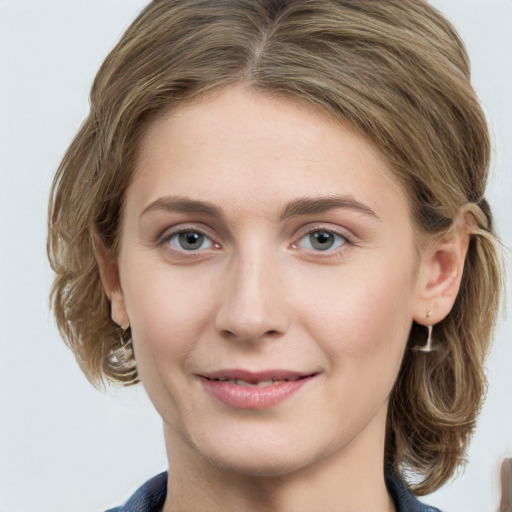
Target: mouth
{"type": "Point", "coordinates": [254, 390]}
{"type": "Point", "coordinates": [259, 384]}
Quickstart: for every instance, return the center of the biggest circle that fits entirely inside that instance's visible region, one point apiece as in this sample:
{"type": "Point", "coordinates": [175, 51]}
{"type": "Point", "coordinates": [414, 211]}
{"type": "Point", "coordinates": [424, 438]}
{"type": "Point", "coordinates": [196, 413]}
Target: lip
{"type": "Point", "coordinates": [252, 396]}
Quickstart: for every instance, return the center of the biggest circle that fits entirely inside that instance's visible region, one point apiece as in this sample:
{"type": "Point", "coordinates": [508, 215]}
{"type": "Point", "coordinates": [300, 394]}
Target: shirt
{"type": "Point", "coordinates": [151, 496]}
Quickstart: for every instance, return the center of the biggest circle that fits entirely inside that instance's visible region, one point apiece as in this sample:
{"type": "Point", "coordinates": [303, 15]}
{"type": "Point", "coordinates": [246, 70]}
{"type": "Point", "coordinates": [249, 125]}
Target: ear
{"type": "Point", "coordinates": [440, 273]}
{"type": "Point", "coordinates": [109, 274]}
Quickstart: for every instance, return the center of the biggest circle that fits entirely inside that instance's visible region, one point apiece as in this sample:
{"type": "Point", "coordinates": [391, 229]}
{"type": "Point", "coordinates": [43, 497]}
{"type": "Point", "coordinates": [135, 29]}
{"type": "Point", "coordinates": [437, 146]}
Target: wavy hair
{"type": "Point", "coordinates": [397, 73]}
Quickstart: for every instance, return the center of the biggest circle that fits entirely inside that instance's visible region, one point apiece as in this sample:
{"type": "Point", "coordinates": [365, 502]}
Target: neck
{"type": "Point", "coordinates": [349, 479]}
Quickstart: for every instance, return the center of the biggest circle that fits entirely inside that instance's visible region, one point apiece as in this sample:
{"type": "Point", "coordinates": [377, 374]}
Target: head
{"type": "Point", "coordinates": [394, 74]}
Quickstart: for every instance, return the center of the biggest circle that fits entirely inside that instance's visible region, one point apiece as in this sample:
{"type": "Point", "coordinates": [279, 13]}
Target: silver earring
{"type": "Point", "coordinates": [123, 367]}
{"type": "Point", "coordinates": [428, 345]}
{"type": "Point", "coordinates": [123, 354]}
{"type": "Point", "coordinates": [126, 346]}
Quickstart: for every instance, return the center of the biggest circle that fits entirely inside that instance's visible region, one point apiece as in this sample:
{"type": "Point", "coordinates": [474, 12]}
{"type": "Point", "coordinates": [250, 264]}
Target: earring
{"type": "Point", "coordinates": [123, 354]}
{"type": "Point", "coordinates": [428, 345]}
{"type": "Point", "coordinates": [126, 346]}
{"type": "Point", "coordinates": [121, 361]}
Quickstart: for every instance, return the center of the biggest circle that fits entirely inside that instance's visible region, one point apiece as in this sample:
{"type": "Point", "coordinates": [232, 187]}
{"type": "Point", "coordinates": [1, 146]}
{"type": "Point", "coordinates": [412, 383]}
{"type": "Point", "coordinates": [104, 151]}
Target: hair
{"type": "Point", "coordinates": [395, 72]}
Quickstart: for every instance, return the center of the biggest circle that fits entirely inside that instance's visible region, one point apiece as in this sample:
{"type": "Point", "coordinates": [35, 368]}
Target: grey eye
{"type": "Point", "coordinates": [189, 241]}
{"type": "Point", "coordinates": [321, 240]}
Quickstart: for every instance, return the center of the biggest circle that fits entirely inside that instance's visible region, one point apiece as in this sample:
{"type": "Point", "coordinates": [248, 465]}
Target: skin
{"type": "Point", "coordinates": [257, 295]}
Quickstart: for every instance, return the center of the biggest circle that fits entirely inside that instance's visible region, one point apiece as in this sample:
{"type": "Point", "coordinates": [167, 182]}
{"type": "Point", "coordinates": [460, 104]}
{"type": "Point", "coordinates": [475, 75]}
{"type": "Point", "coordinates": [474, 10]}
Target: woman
{"type": "Point", "coordinates": [274, 217]}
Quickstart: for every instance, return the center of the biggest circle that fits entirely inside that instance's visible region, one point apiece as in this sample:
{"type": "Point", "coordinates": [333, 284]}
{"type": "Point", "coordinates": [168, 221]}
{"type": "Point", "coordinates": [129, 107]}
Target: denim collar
{"type": "Point", "coordinates": [151, 496]}
{"type": "Point", "coordinates": [404, 500]}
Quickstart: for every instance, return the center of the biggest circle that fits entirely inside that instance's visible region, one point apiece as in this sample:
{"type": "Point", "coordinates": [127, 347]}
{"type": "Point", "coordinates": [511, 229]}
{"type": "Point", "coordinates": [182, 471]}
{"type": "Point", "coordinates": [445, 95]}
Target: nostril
{"type": "Point", "coordinates": [250, 334]}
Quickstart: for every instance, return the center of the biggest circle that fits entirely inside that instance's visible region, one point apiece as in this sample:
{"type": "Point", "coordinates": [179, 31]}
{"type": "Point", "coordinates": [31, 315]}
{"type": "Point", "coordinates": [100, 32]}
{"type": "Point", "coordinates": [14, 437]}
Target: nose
{"type": "Point", "coordinates": [251, 303]}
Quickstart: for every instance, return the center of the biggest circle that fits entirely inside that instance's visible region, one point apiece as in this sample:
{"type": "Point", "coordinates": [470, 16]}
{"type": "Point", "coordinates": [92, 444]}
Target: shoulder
{"type": "Point", "coordinates": [149, 497]}
{"type": "Point", "coordinates": [404, 500]}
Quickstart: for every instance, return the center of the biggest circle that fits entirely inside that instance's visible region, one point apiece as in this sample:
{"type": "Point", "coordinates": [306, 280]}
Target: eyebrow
{"type": "Point", "coordinates": [183, 205]}
{"type": "Point", "coordinates": [312, 205]}
{"type": "Point", "coordinates": [300, 206]}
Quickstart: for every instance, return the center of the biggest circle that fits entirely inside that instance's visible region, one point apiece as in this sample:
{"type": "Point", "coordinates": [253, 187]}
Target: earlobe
{"type": "Point", "coordinates": [118, 311]}
{"type": "Point", "coordinates": [109, 274]}
{"type": "Point", "coordinates": [440, 274]}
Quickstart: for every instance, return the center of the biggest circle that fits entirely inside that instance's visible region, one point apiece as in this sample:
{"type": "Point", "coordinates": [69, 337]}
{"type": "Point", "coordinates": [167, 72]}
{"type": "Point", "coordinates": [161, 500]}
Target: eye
{"type": "Point", "coordinates": [321, 240]}
{"type": "Point", "coordinates": [189, 241]}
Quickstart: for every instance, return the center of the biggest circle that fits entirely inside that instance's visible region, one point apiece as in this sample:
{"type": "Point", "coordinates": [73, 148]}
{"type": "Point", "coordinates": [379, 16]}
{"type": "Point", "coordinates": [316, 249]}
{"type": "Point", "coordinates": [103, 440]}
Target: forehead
{"type": "Point", "coordinates": [242, 148]}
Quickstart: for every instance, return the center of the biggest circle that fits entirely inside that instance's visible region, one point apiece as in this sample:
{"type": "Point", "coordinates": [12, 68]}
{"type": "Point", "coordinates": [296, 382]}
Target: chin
{"type": "Point", "coordinates": [257, 464]}
{"type": "Point", "coordinates": [260, 455]}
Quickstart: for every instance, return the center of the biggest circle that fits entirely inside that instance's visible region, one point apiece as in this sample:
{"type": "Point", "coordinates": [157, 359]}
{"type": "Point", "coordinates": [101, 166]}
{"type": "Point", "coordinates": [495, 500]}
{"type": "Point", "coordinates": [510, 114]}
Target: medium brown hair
{"type": "Point", "coordinates": [397, 73]}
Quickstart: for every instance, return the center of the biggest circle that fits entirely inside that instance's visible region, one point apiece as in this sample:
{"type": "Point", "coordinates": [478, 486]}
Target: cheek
{"type": "Point", "coordinates": [167, 316]}
{"type": "Point", "coordinates": [364, 331]}
{"type": "Point", "coordinates": [363, 313]}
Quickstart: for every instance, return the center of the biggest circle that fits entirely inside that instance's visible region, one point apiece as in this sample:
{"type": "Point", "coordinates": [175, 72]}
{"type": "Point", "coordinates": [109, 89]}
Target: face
{"type": "Point", "coordinates": [267, 270]}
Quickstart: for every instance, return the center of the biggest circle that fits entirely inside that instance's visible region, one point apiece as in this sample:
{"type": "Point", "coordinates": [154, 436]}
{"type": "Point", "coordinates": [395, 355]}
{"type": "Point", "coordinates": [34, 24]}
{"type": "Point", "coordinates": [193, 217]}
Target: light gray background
{"type": "Point", "coordinates": [65, 446]}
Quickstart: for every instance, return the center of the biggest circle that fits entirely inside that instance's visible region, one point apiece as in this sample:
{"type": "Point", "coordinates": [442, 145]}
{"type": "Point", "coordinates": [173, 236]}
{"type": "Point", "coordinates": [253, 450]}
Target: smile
{"type": "Point", "coordinates": [247, 390]}
{"type": "Point", "coordinates": [261, 384]}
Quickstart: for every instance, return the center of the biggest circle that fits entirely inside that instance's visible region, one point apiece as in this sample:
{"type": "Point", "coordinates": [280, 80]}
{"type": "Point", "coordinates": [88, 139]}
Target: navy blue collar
{"type": "Point", "coordinates": [151, 496]}
{"type": "Point", "coordinates": [148, 498]}
{"type": "Point", "coordinates": [404, 500]}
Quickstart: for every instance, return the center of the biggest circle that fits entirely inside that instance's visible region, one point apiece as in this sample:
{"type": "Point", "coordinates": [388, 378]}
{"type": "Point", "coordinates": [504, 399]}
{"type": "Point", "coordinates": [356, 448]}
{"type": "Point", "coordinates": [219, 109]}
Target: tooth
{"type": "Point", "coordinates": [244, 383]}
{"type": "Point", "coordinates": [265, 383]}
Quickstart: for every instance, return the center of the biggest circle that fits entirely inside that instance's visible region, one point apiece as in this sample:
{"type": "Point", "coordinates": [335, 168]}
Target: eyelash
{"type": "Point", "coordinates": [165, 241]}
{"type": "Point", "coordinates": [347, 240]}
